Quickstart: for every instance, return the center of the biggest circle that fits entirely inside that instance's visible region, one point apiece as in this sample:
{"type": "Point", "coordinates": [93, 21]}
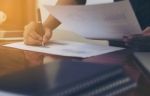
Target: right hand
{"type": "Point", "coordinates": [31, 37]}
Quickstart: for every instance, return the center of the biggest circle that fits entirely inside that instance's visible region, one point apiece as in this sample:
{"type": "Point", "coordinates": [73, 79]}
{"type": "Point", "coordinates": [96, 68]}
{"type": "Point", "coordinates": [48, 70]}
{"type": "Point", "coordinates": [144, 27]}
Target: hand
{"type": "Point", "coordinates": [147, 31]}
{"type": "Point", "coordinates": [31, 37]}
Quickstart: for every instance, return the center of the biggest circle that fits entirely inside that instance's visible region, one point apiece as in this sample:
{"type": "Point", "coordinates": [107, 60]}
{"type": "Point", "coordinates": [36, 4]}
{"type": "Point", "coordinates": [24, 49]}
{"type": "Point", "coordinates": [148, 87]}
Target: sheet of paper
{"type": "Point", "coordinates": [3, 93]}
{"type": "Point", "coordinates": [67, 48]}
{"type": "Point", "coordinates": [100, 21]}
{"type": "Point", "coordinates": [89, 2]}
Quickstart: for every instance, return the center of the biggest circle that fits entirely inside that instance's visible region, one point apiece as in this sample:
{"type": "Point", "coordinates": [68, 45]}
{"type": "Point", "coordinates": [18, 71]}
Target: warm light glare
{"type": "Point", "coordinates": [15, 14]}
{"type": "Point", "coordinates": [3, 17]}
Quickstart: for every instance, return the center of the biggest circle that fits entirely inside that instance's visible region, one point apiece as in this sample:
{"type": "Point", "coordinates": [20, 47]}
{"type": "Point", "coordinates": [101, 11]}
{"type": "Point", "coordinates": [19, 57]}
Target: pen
{"type": "Point", "coordinates": [39, 26]}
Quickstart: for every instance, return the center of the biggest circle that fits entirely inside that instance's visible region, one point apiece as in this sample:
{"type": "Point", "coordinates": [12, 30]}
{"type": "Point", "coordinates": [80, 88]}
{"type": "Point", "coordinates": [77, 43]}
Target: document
{"type": "Point", "coordinates": [3, 93]}
{"type": "Point", "coordinates": [67, 48]}
{"type": "Point", "coordinates": [99, 21]}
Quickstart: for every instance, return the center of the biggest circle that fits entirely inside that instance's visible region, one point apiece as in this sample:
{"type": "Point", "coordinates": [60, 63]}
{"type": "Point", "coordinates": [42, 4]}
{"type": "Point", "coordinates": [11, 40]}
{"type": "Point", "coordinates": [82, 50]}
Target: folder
{"type": "Point", "coordinates": [69, 78]}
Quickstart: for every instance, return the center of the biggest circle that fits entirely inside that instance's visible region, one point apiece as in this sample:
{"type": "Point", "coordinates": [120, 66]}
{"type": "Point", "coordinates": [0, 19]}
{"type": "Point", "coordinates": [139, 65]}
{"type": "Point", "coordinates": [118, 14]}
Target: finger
{"type": "Point", "coordinates": [36, 36]}
{"type": "Point", "coordinates": [29, 28]}
{"type": "Point", "coordinates": [147, 31]}
{"type": "Point", "coordinates": [31, 41]}
{"type": "Point", "coordinates": [46, 38]}
{"type": "Point", "coordinates": [127, 38]}
{"type": "Point", "coordinates": [47, 35]}
{"type": "Point", "coordinates": [146, 34]}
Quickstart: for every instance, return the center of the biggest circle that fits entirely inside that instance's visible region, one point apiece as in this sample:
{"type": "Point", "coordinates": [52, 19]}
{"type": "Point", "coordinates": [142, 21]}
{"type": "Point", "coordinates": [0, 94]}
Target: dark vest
{"type": "Point", "coordinates": [141, 9]}
{"type": "Point", "coordinates": [81, 1]}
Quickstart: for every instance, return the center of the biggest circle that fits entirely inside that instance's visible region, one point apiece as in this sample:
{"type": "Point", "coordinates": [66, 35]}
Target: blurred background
{"type": "Point", "coordinates": [14, 15]}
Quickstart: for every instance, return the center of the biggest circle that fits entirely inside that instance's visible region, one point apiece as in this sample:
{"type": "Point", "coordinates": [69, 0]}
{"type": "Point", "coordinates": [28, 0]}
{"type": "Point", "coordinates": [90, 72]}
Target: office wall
{"type": "Point", "coordinates": [19, 13]}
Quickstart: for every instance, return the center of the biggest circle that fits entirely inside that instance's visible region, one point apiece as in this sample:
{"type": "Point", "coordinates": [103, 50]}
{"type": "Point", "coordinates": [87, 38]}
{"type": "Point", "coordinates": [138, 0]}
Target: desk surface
{"type": "Point", "coordinates": [13, 60]}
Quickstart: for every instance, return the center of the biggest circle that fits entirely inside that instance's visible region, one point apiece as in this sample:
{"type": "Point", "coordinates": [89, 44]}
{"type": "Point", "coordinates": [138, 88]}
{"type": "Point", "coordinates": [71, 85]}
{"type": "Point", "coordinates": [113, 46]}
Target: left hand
{"type": "Point", "coordinates": [127, 39]}
{"type": "Point", "coordinates": [147, 31]}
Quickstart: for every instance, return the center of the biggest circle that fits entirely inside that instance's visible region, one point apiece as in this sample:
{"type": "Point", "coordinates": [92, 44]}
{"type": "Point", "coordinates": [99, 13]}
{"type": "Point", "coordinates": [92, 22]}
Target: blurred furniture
{"type": "Point", "coordinates": [15, 14]}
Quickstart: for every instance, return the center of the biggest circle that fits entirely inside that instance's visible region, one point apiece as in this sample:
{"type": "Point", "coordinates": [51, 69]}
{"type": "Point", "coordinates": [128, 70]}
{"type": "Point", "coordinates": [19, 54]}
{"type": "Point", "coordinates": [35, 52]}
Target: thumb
{"type": "Point", "coordinates": [47, 35]}
{"type": "Point", "coordinates": [147, 31]}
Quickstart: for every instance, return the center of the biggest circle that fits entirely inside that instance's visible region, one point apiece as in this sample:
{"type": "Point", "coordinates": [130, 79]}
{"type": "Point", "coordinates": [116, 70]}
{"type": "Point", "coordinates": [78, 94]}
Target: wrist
{"type": "Point", "coordinates": [46, 26]}
{"type": "Point", "coordinates": [51, 23]}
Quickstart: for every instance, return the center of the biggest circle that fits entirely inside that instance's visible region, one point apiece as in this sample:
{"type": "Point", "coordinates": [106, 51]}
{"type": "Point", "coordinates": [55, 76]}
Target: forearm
{"type": "Point", "coordinates": [51, 22]}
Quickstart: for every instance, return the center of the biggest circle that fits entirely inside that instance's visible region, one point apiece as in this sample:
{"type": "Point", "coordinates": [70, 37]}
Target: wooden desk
{"type": "Point", "coordinates": [14, 60]}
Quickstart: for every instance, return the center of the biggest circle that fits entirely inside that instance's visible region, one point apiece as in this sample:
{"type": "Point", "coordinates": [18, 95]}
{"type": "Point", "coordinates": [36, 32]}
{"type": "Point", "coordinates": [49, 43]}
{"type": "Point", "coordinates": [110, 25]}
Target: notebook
{"type": "Point", "coordinates": [68, 78]}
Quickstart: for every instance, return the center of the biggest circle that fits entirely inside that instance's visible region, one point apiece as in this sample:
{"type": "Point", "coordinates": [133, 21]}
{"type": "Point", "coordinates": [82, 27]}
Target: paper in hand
{"type": "Point", "coordinates": [100, 21]}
